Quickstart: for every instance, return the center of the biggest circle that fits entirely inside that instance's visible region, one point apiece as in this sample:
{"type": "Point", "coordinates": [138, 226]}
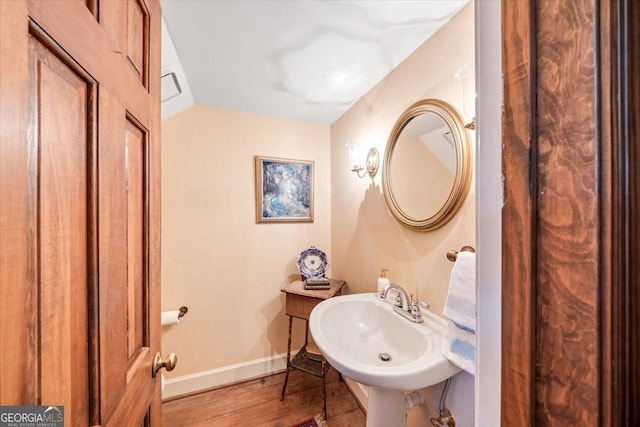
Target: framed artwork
{"type": "Point", "coordinates": [284, 190]}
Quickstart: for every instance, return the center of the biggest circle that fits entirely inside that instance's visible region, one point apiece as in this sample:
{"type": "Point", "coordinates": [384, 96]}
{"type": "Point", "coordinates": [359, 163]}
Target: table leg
{"type": "Point", "coordinates": [286, 376]}
{"type": "Point", "coordinates": [306, 333]}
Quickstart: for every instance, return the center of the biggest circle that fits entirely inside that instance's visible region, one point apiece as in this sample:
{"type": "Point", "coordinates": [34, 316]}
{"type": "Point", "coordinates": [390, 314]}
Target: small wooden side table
{"type": "Point", "coordinates": [299, 303]}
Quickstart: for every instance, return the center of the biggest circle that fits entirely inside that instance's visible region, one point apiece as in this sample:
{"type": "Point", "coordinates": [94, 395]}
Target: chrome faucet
{"type": "Point", "coordinates": [402, 299]}
{"type": "Point", "coordinates": [407, 307]}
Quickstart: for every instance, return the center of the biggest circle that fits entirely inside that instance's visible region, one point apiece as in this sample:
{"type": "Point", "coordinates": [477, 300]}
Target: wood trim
{"type": "Point", "coordinates": [610, 406]}
{"type": "Point", "coordinates": [619, 62]}
{"type": "Point", "coordinates": [16, 381]}
{"type": "Point", "coordinates": [571, 291]}
{"type": "Point", "coordinates": [53, 15]}
{"type": "Point", "coordinates": [518, 217]}
{"type": "Point", "coordinates": [633, 255]}
{"type": "Point", "coordinates": [154, 198]}
{"type": "Point", "coordinates": [567, 229]}
{"type": "Point", "coordinates": [621, 336]}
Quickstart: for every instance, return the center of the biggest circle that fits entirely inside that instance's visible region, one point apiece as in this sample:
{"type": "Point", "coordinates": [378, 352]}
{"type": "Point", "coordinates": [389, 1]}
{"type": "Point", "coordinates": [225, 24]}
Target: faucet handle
{"type": "Point", "coordinates": [382, 294]}
{"type": "Point", "coordinates": [398, 300]}
{"type": "Point", "coordinates": [414, 305]}
{"type": "Point", "coordinates": [419, 303]}
{"type": "Point", "coordinates": [423, 304]}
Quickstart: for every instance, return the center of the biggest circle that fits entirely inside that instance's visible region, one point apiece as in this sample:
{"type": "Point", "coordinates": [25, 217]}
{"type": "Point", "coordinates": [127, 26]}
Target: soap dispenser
{"type": "Point", "coordinates": [383, 282]}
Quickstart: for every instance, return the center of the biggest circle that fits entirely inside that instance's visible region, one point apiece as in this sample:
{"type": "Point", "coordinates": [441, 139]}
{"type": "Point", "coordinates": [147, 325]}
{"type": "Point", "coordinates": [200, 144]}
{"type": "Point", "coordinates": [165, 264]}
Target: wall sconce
{"type": "Point", "coordinates": [356, 156]}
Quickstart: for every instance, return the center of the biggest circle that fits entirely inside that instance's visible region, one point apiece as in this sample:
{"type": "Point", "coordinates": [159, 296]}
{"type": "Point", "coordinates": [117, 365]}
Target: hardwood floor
{"type": "Point", "coordinates": [257, 403]}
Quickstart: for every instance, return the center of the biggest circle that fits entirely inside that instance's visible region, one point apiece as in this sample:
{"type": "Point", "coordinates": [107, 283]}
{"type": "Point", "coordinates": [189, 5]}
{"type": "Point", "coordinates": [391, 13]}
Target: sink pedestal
{"type": "Point", "coordinates": [386, 408]}
{"type": "Point", "coordinates": [367, 341]}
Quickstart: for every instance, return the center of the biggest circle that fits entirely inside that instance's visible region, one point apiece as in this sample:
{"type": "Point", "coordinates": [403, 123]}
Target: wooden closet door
{"type": "Point", "coordinates": [79, 208]}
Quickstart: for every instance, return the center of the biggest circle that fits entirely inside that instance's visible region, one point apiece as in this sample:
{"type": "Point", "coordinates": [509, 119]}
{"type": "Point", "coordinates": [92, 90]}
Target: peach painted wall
{"type": "Point", "coordinates": [365, 236]}
{"type": "Point", "coordinates": [215, 259]}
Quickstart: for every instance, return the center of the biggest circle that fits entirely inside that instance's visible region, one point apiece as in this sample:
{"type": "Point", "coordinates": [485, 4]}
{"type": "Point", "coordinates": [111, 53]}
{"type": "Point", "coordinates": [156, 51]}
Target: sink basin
{"type": "Point", "coordinates": [352, 331]}
{"type": "Point", "coordinates": [358, 333]}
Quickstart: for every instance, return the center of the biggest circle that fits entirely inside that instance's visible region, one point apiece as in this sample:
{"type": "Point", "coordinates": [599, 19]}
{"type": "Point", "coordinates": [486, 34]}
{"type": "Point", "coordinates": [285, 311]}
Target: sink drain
{"type": "Point", "coordinates": [385, 357]}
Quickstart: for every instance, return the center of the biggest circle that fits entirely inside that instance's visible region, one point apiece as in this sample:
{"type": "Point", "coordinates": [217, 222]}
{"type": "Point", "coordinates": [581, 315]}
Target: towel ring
{"type": "Point", "coordinates": [453, 255]}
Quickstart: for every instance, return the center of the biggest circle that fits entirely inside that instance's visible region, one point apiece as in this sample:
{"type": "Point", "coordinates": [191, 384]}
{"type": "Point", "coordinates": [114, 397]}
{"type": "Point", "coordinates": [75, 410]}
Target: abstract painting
{"type": "Point", "coordinates": [284, 190]}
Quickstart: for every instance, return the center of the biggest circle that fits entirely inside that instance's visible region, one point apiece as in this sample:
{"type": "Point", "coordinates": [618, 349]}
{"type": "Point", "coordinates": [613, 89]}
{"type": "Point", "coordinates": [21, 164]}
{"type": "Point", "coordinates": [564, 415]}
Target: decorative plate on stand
{"type": "Point", "coordinates": [312, 263]}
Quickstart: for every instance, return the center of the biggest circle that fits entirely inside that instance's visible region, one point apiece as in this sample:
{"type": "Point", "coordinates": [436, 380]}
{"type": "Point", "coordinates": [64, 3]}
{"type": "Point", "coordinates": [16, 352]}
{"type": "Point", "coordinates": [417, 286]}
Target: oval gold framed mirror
{"type": "Point", "coordinates": [427, 165]}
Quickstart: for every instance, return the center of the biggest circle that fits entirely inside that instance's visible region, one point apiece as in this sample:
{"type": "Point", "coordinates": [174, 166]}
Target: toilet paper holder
{"type": "Point", "coordinates": [183, 310]}
{"type": "Point", "coordinates": [172, 317]}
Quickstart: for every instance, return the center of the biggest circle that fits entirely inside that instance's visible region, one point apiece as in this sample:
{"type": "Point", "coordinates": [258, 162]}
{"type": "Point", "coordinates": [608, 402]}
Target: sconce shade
{"type": "Point", "coordinates": [355, 155]}
{"type": "Point", "coordinates": [357, 158]}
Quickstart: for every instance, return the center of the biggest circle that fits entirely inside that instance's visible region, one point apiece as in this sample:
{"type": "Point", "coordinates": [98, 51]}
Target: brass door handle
{"type": "Point", "coordinates": [160, 362]}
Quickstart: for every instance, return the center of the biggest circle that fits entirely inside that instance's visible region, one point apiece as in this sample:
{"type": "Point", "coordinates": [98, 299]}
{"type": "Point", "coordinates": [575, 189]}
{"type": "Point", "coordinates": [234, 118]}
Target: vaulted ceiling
{"type": "Point", "coordinates": [307, 60]}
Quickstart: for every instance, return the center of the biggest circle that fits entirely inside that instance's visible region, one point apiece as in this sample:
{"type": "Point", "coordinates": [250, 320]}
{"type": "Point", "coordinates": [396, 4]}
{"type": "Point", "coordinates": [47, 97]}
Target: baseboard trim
{"type": "Point", "coordinates": [201, 381]}
{"type": "Point", "coordinates": [359, 391]}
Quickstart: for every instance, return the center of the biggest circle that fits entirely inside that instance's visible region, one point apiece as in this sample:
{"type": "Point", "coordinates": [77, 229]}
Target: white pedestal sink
{"type": "Point", "coordinates": [364, 339]}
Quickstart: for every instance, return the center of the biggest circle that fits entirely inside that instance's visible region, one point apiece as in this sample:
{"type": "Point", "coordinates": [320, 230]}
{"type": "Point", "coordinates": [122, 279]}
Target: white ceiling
{"type": "Point", "coordinates": [307, 60]}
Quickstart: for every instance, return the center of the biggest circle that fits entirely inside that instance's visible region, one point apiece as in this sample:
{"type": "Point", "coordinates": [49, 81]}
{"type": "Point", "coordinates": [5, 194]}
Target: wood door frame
{"type": "Point", "coordinates": [518, 243]}
{"type": "Point", "coordinates": [15, 384]}
{"type": "Point", "coordinates": [615, 183]}
{"type": "Point", "coordinates": [621, 335]}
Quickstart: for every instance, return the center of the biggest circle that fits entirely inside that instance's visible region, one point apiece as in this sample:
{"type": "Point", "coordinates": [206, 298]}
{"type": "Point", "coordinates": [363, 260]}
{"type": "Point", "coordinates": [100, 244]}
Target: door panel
{"type": "Point", "coordinates": [136, 237]}
{"type": "Point", "coordinates": [61, 123]}
{"type": "Point", "coordinates": [137, 33]}
{"type": "Point", "coordinates": [79, 208]}
{"type": "Point", "coordinates": [113, 256]}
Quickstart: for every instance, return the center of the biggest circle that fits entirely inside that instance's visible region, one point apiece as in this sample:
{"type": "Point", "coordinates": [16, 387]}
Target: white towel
{"type": "Point", "coordinates": [459, 344]}
{"type": "Point", "coordinates": [460, 305]}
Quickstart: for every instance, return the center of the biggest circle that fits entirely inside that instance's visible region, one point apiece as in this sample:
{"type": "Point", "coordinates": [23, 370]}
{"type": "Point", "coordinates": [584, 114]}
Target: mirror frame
{"type": "Point", "coordinates": [462, 179]}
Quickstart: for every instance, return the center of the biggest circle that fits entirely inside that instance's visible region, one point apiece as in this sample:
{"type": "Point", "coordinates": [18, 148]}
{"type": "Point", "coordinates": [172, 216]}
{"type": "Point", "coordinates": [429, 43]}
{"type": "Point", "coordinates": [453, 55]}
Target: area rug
{"type": "Point", "coordinates": [317, 421]}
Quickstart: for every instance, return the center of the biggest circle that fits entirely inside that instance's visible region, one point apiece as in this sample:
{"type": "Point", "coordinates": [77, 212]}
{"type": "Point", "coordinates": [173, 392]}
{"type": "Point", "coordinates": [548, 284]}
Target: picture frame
{"type": "Point", "coordinates": [284, 190]}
